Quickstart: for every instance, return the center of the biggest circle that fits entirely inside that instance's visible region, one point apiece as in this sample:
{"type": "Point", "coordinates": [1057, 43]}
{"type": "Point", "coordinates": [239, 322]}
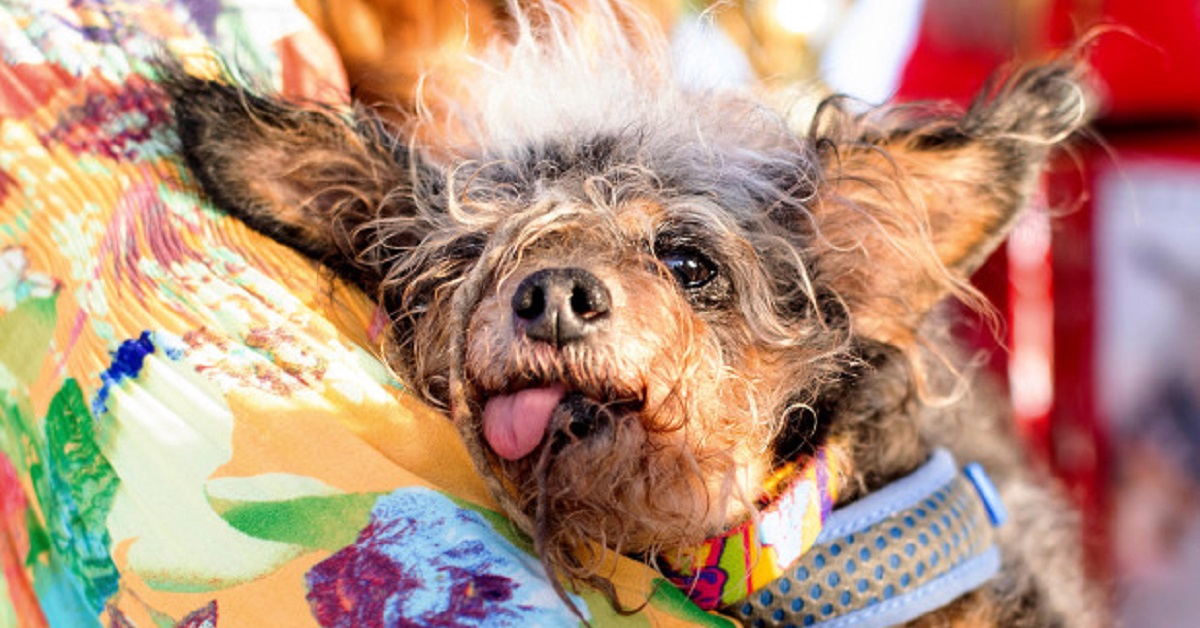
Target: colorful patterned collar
{"type": "Point", "coordinates": [898, 553]}
{"type": "Point", "coordinates": [726, 569]}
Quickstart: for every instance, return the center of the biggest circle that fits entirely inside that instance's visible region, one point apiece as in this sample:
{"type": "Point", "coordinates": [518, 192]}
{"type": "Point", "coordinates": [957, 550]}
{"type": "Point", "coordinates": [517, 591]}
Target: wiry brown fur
{"type": "Point", "coordinates": [830, 249]}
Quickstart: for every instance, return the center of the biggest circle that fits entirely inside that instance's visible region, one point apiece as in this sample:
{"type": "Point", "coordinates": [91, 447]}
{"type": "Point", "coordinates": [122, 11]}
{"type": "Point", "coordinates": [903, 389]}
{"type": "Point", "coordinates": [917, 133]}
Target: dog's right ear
{"type": "Point", "coordinates": [309, 176]}
{"type": "Point", "coordinates": [916, 197]}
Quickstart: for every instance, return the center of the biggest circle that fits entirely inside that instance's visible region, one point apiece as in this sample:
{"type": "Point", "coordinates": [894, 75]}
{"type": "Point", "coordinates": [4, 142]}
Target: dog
{"type": "Point", "coordinates": [651, 311]}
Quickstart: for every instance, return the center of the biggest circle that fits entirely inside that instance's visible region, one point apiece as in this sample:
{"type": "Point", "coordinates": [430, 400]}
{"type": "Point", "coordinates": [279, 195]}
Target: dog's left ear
{"type": "Point", "coordinates": [312, 177]}
{"type": "Point", "coordinates": [914, 203]}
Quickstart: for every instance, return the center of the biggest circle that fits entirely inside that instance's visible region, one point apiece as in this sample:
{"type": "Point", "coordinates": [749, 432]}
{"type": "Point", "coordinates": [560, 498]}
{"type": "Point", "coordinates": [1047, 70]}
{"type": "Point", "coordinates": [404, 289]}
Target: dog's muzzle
{"type": "Point", "coordinates": [559, 306]}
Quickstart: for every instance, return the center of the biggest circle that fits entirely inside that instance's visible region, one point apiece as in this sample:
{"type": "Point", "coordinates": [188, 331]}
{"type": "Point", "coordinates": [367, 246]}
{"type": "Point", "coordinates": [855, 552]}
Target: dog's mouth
{"type": "Point", "coordinates": [516, 423]}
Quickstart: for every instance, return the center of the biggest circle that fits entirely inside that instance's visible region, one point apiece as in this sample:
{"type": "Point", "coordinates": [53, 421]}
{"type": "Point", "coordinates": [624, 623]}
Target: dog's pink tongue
{"type": "Point", "coordinates": [514, 424]}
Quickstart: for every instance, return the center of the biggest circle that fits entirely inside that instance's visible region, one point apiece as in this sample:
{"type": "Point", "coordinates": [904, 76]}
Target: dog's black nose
{"type": "Point", "coordinates": [560, 305]}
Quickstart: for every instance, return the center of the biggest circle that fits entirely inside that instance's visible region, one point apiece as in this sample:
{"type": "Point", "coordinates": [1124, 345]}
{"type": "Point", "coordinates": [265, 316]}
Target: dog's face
{"type": "Point", "coordinates": [632, 354]}
{"type": "Point", "coordinates": [635, 317]}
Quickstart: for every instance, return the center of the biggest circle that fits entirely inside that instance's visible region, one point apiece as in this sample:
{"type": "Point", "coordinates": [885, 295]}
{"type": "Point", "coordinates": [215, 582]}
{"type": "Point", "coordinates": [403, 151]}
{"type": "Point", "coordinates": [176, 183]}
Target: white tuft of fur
{"type": "Point", "coordinates": [601, 68]}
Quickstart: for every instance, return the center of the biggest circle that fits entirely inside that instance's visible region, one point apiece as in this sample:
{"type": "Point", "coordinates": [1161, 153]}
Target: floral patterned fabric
{"type": "Point", "coordinates": [194, 427]}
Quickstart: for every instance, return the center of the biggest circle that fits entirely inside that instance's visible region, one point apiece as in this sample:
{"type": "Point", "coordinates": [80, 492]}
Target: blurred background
{"type": "Point", "coordinates": [1100, 294]}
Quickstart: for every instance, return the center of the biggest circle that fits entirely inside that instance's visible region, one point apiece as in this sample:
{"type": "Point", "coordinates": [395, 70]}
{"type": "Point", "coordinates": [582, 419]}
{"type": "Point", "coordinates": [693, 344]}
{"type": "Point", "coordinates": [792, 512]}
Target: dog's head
{"type": "Point", "coordinates": [635, 300]}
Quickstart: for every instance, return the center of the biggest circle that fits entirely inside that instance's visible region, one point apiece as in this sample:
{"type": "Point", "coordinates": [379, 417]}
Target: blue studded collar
{"type": "Point", "coordinates": [892, 556]}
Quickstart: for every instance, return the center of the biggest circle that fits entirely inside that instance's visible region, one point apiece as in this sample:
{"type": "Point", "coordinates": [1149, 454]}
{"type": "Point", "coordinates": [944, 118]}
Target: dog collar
{"type": "Point", "coordinates": [728, 568]}
{"type": "Point", "coordinates": [892, 556]}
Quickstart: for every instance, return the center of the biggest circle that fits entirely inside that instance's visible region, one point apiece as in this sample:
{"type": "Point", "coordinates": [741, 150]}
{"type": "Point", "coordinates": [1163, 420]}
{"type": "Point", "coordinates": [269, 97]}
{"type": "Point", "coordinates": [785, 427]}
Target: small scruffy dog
{"type": "Point", "coordinates": [641, 304]}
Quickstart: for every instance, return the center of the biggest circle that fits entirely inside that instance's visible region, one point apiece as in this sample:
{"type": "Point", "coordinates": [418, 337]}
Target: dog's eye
{"type": "Point", "coordinates": [691, 269]}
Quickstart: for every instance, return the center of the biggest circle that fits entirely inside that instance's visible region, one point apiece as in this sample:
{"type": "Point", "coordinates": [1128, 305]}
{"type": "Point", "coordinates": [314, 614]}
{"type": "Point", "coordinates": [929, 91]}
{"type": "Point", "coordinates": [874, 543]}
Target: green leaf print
{"type": "Point", "coordinates": [75, 486]}
{"type": "Point", "coordinates": [327, 522]}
